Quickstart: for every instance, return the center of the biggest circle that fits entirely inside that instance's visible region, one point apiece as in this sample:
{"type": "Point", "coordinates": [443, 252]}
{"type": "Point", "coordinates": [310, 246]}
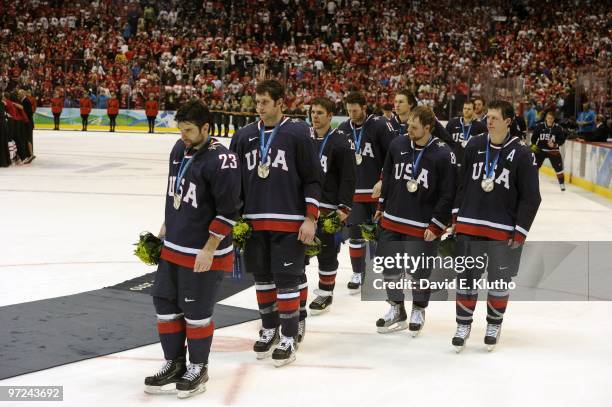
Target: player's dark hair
{"type": "Point", "coordinates": [194, 111]}
{"type": "Point", "coordinates": [387, 107]}
{"type": "Point", "coordinates": [469, 102]}
{"type": "Point", "coordinates": [551, 112]}
{"type": "Point", "coordinates": [412, 100]}
{"type": "Point", "coordinates": [355, 98]}
{"type": "Point", "coordinates": [325, 103]}
{"type": "Point", "coordinates": [425, 115]}
{"type": "Point", "coordinates": [505, 107]}
{"type": "Point", "coordinates": [274, 88]}
{"type": "Point", "coordinates": [484, 102]}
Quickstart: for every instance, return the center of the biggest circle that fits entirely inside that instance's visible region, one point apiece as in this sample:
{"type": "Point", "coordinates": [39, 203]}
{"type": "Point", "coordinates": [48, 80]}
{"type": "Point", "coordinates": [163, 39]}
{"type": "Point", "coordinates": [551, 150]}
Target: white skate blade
{"type": "Point", "coordinates": [354, 291]}
{"type": "Point", "coordinates": [458, 349]}
{"type": "Point", "coordinates": [398, 326]}
{"type": "Point", "coordinates": [264, 355]}
{"type": "Point", "coordinates": [284, 362]}
{"type": "Point", "coordinates": [319, 311]}
{"type": "Point", "coordinates": [490, 347]}
{"type": "Point", "coordinates": [169, 388]}
{"type": "Point", "coordinates": [416, 333]}
{"type": "Point", "coordinates": [182, 394]}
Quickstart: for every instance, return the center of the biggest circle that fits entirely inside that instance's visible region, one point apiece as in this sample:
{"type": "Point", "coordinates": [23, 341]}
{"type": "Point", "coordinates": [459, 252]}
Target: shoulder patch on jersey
{"type": "Point", "coordinates": [295, 120]}
{"type": "Point", "coordinates": [441, 144]}
{"type": "Point", "coordinates": [376, 118]}
{"type": "Point", "coordinates": [522, 143]}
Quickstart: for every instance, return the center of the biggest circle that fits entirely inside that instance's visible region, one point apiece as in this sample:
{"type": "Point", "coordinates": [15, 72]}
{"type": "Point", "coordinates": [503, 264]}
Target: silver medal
{"type": "Point", "coordinates": [358, 158]}
{"type": "Point", "coordinates": [177, 201]}
{"type": "Point", "coordinates": [263, 170]}
{"type": "Point", "coordinates": [412, 185]}
{"type": "Point", "coordinates": [487, 184]}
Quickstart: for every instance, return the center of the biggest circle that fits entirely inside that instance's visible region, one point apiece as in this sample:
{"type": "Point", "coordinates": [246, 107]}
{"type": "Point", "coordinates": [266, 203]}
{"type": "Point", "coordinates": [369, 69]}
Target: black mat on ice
{"type": "Point", "coordinates": [43, 334]}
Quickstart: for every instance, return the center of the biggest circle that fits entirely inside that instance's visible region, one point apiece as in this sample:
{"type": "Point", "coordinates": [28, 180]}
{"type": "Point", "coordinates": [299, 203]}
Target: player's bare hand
{"type": "Point", "coordinates": [203, 261]}
{"type": "Point", "coordinates": [514, 244]}
{"type": "Point", "coordinates": [343, 216]}
{"type": "Point", "coordinates": [377, 216]}
{"type": "Point", "coordinates": [162, 231]}
{"type": "Point", "coordinates": [551, 144]}
{"type": "Point", "coordinates": [376, 190]}
{"type": "Point", "coordinates": [429, 236]}
{"type": "Point", "coordinates": [307, 231]}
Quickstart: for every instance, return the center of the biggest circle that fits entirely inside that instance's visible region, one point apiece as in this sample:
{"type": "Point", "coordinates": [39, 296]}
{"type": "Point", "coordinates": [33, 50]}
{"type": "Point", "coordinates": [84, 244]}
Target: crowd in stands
{"type": "Point", "coordinates": [445, 51]}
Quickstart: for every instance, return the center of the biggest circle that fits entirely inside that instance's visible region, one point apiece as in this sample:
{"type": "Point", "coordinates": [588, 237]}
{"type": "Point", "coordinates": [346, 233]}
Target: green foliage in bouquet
{"type": "Point", "coordinates": [534, 148]}
{"type": "Point", "coordinates": [331, 223]}
{"type": "Point", "coordinates": [241, 232]}
{"type": "Point", "coordinates": [314, 248]}
{"type": "Point", "coordinates": [148, 248]}
{"type": "Point", "coordinates": [369, 231]}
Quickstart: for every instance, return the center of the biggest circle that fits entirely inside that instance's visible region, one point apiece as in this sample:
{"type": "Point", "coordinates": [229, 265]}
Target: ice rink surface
{"type": "Point", "coordinates": [68, 223]}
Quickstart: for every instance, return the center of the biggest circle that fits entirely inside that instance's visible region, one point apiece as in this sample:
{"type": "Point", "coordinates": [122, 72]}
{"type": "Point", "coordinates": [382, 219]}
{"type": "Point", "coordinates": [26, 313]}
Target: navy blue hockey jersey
{"type": "Point", "coordinates": [508, 211]}
{"type": "Point", "coordinates": [376, 137]}
{"type": "Point", "coordinates": [461, 133]}
{"type": "Point", "coordinates": [292, 190]}
{"type": "Point", "coordinates": [210, 190]}
{"type": "Point", "coordinates": [337, 157]}
{"type": "Point", "coordinates": [542, 134]}
{"type": "Point", "coordinates": [429, 207]}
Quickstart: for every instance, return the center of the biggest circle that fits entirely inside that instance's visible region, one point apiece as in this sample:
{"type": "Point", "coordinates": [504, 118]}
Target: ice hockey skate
{"type": "Point", "coordinates": [164, 381]}
{"type": "Point", "coordinates": [264, 346]}
{"type": "Point", "coordinates": [461, 336]}
{"type": "Point", "coordinates": [284, 352]}
{"type": "Point", "coordinates": [394, 320]}
{"type": "Point", "coordinates": [354, 286]}
{"type": "Point", "coordinates": [417, 321]}
{"type": "Point", "coordinates": [193, 381]}
{"type": "Point", "coordinates": [492, 336]}
{"type": "Point", "coordinates": [321, 303]}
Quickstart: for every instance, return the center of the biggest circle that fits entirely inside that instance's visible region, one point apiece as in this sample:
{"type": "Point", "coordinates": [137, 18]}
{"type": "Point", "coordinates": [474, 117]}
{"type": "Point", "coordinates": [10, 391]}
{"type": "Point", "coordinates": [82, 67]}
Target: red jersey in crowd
{"type": "Point", "coordinates": [151, 108]}
{"type": "Point", "coordinates": [85, 105]}
{"type": "Point", "coordinates": [57, 104]}
{"type": "Point", "coordinates": [112, 106]}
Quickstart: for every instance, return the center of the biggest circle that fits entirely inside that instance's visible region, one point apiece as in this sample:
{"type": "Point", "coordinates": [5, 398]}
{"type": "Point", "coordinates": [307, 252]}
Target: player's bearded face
{"type": "Point", "coordinates": [478, 107]}
{"type": "Point", "coordinates": [356, 112]}
{"type": "Point", "coordinates": [416, 131]}
{"type": "Point", "coordinates": [191, 134]}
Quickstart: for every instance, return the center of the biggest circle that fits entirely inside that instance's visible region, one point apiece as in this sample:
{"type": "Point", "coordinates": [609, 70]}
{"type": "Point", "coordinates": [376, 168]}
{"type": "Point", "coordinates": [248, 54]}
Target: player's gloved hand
{"type": "Point", "coordinates": [203, 260]}
{"type": "Point", "coordinates": [307, 231]}
{"type": "Point", "coordinates": [376, 190]}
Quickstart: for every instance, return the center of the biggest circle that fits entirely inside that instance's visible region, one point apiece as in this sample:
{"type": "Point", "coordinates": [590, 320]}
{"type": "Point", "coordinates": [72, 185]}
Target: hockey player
{"type": "Point", "coordinates": [337, 158]}
{"type": "Point", "coordinates": [281, 190]}
{"type": "Point", "coordinates": [496, 203]}
{"type": "Point", "coordinates": [547, 137]}
{"type": "Point", "coordinates": [480, 110]}
{"type": "Point", "coordinates": [415, 206]}
{"type": "Point", "coordinates": [464, 127]}
{"type": "Point", "coordinates": [404, 102]}
{"type": "Point", "coordinates": [371, 136]}
{"type": "Point", "coordinates": [202, 202]}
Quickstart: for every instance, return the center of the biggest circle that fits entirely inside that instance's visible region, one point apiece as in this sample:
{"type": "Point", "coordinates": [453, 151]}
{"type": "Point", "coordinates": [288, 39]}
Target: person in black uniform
{"type": "Point", "coordinates": [371, 136]}
{"type": "Point", "coordinates": [202, 203]}
{"type": "Point", "coordinates": [337, 158]}
{"type": "Point", "coordinates": [464, 127]}
{"type": "Point", "coordinates": [496, 202]}
{"type": "Point", "coordinates": [281, 189]}
{"type": "Point", "coordinates": [415, 207]}
{"type": "Point", "coordinates": [546, 138]}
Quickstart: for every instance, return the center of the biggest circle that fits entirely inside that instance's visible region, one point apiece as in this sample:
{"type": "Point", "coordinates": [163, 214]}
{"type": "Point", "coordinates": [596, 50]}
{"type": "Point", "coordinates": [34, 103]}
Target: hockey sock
{"type": "Point", "coordinates": [288, 300]}
{"type": "Point", "coordinates": [303, 287]}
{"type": "Point", "coordinates": [199, 339]}
{"type": "Point", "coordinates": [266, 300]}
{"type": "Point", "coordinates": [561, 177]}
{"type": "Point", "coordinates": [357, 253]}
{"type": "Point", "coordinates": [327, 280]}
{"type": "Point", "coordinates": [465, 304]}
{"type": "Point", "coordinates": [497, 301]}
{"type": "Point", "coordinates": [171, 329]}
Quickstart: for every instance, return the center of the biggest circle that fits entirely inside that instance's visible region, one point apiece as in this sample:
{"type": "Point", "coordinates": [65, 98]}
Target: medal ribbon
{"type": "Point", "coordinates": [263, 146]}
{"type": "Point", "coordinates": [415, 164]}
{"type": "Point", "coordinates": [466, 137]}
{"type": "Point", "coordinates": [185, 163]}
{"type": "Point", "coordinates": [329, 133]}
{"type": "Point", "coordinates": [358, 139]}
{"type": "Point", "coordinates": [490, 170]}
